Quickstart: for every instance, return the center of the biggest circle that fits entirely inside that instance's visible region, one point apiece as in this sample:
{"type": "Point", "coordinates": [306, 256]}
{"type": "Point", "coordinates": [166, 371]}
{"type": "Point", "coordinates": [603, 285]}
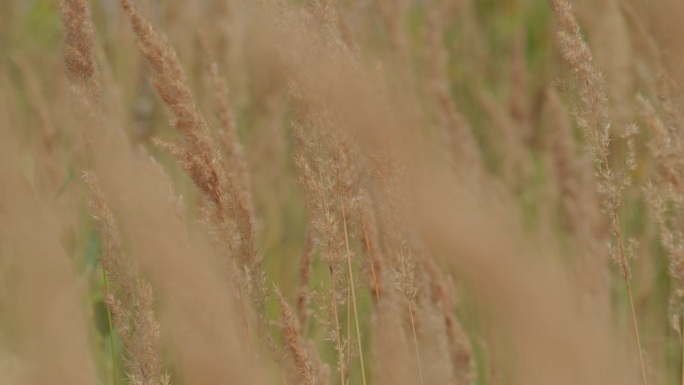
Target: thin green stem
{"type": "Point", "coordinates": [111, 332]}
{"type": "Point", "coordinates": [415, 341]}
{"type": "Point", "coordinates": [413, 323]}
{"type": "Point", "coordinates": [616, 219]}
{"type": "Point", "coordinates": [337, 326]}
{"type": "Point", "coordinates": [353, 295]}
{"type": "Point", "coordinates": [334, 301]}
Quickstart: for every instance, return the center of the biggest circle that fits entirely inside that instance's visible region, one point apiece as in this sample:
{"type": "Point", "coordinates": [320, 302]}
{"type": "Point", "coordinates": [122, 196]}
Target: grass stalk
{"type": "Point", "coordinates": [111, 331]}
{"type": "Point", "coordinates": [616, 218]}
{"type": "Point", "coordinates": [636, 333]}
{"type": "Point", "coordinates": [415, 341]}
{"type": "Point", "coordinates": [413, 323]}
{"type": "Point", "coordinates": [349, 311]}
{"type": "Point", "coordinates": [334, 299]}
{"type": "Point", "coordinates": [337, 325]}
{"type": "Point", "coordinates": [353, 295]}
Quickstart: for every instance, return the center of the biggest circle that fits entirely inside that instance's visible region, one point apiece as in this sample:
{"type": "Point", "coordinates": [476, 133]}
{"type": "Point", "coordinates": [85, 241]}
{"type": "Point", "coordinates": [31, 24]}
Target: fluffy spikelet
{"type": "Point", "coordinates": [395, 243]}
{"type": "Point", "coordinates": [328, 166]}
{"type": "Point", "coordinates": [389, 344]}
{"type": "Point", "coordinates": [581, 205]}
{"type": "Point", "coordinates": [118, 268]}
{"type": "Point", "coordinates": [328, 21]}
{"type": "Point", "coordinates": [294, 339]}
{"type": "Point", "coordinates": [132, 313]}
{"type": "Point", "coordinates": [664, 194]}
{"type": "Point", "coordinates": [592, 118]}
{"type": "Point", "coordinates": [443, 298]}
{"type": "Point", "coordinates": [658, 197]}
{"type": "Point", "coordinates": [229, 201]}
{"type": "Point", "coordinates": [200, 156]}
{"type": "Point", "coordinates": [171, 84]}
{"type": "Point", "coordinates": [404, 278]}
{"type": "Point", "coordinates": [327, 230]}
{"type": "Point", "coordinates": [235, 158]}
{"type": "Point", "coordinates": [79, 49]}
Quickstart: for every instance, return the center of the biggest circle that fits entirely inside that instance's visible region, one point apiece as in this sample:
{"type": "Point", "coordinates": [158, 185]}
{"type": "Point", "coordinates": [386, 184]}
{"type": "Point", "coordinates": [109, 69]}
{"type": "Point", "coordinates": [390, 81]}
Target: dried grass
{"type": "Point", "coordinates": [427, 209]}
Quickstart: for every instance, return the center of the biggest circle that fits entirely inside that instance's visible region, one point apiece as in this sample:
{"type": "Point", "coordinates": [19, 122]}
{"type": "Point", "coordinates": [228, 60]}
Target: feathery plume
{"type": "Point", "coordinates": [229, 209]}
{"type": "Point", "coordinates": [294, 338]}
{"type": "Point", "coordinates": [79, 50]}
{"type": "Point", "coordinates": [130, 300]}
{"type": "Point", "coordinates": [592, 118]}
{"type": "Point", "coordinates": [581, 205]}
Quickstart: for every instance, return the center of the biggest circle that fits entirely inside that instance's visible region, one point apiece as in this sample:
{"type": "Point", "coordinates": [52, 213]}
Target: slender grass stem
{"type": "Point", "coordinates": [415, 341]}
{"type": "Point", "coordinates": [353, 295]}
{"type": "Point", "coordinates": [616, 218]}
{"type": "Point", "coordinates": [115, 369]}
{"type": "Point", "coordinates": [413, 326]}
{"type": "Point", "coordinates": [636, 333]}
{"type": "Point", "coordinates": [349, 311]}
{"type": "Point", "coordinates": [337, 326]}
{"type": "Point", "coordinates": [334, 300]}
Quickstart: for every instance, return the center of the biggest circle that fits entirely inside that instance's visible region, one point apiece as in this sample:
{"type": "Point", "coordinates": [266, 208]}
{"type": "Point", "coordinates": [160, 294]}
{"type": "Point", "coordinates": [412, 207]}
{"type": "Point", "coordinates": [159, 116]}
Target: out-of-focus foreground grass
{"type": "Point", "coordinates": [501, 60]}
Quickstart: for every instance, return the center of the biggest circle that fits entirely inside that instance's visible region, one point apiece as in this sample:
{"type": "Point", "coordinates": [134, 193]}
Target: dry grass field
{"type": "Point", "coordinates": [341, 192]}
